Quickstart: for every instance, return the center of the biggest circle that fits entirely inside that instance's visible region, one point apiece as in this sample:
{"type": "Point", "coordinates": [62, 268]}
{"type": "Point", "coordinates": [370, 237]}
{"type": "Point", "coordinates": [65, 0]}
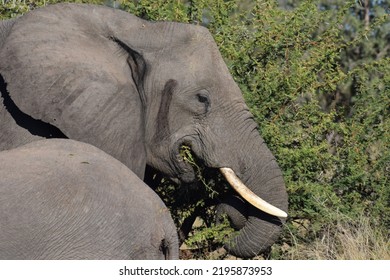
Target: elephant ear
{"type": "Point", "coordinates": [62, 66]}
{"type": "Point", "coordinates": [138, 68]}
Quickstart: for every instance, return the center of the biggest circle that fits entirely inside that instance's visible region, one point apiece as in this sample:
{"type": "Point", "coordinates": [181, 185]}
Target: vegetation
{"type": "Point", "coordinates": [316, 76]}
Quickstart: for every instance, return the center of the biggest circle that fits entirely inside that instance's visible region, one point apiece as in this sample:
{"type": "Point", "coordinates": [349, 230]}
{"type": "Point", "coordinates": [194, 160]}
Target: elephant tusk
{"type": "Point", "coordinates": [250, 196]}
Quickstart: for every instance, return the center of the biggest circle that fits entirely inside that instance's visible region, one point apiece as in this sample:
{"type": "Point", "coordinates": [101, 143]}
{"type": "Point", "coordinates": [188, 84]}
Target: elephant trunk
{"type": "Point", "coordinates": [252, 162]}
{"type": "Point", "coordinates": [261, 229]}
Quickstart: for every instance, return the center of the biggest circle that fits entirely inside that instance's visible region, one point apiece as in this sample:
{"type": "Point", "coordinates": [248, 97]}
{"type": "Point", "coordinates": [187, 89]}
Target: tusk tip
{"type": "Point", "coordinates": [282, 215]}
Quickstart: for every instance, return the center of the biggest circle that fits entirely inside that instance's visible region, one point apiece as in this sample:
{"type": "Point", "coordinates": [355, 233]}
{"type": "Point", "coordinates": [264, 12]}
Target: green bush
{"type": "Point", "coordinates": [316, 76]}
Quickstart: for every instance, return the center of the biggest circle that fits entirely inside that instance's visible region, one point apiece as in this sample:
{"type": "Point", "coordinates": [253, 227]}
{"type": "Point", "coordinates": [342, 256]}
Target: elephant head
{"type": "Point", "coordinates": [140, 90]}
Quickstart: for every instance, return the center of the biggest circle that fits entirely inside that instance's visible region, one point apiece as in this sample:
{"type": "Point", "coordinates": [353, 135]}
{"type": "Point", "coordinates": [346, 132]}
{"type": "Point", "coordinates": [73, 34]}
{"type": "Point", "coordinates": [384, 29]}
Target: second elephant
{"type": "Point", "coordinates": [62, 199]}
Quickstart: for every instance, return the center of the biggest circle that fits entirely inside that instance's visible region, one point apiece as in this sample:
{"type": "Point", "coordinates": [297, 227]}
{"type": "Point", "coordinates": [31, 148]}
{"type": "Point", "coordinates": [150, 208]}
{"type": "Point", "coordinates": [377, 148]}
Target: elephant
{"type": "Point", "coordinates": [63, 199]}
{"type": "Point", "coordinates": [139, 90]}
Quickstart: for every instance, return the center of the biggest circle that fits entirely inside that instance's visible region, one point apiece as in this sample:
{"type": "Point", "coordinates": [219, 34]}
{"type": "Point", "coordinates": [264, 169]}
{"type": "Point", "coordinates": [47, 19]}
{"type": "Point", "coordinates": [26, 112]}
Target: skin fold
{"type": "Point", "coordinates": [137, 90]}
{"type": "Point", "coordinates": [62, 199]}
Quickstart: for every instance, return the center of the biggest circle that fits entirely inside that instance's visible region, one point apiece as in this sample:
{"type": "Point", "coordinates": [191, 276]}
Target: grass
{"type": "Point", "coordinates": [347, 239]}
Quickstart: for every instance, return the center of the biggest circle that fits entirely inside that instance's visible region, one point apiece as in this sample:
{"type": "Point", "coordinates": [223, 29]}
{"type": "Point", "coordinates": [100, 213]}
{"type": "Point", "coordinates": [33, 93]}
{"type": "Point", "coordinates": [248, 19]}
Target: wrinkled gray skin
{"type": "Point", "coordinates": [62, 199]}
{"type": "Point", "coordinates": [137, 90]}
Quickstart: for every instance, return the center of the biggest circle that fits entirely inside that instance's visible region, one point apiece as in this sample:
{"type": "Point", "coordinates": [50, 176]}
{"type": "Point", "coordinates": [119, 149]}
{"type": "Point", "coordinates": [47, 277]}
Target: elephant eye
{"type": "Point", "coordinates": [203, 98]}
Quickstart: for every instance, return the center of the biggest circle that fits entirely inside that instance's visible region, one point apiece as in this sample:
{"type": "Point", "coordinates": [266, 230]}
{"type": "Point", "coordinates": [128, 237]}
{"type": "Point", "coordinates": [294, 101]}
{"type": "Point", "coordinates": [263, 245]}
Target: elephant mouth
{"type": "Point", "coordinates": [185, 162]}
